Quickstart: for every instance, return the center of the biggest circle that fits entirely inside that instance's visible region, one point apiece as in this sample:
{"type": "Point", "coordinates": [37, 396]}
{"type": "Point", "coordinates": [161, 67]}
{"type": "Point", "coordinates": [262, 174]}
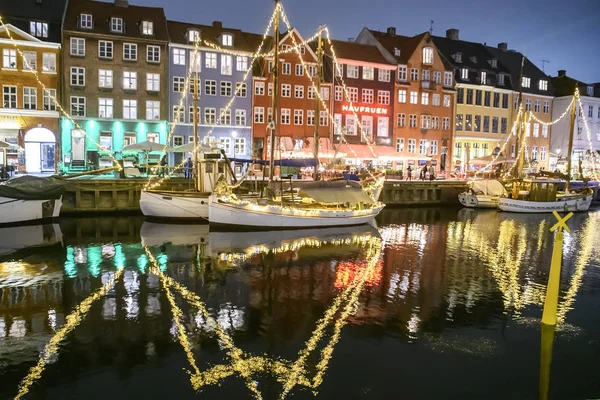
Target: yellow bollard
{"type": "Point", "coordinates": [551, 302]}
{"type": "Point", "coordinates": [546, 359]}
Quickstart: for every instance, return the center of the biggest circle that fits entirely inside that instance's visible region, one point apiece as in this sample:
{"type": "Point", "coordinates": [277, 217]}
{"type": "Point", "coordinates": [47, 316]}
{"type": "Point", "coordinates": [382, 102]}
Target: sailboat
{"type": "Point", "coordinates": [189, 205]}
{"type": "Point", "coordinates": [482, 193]}
{"type": "Point", "coordinates": [315, 204]}
{"type": "Point", "coordinates": [542, 195]}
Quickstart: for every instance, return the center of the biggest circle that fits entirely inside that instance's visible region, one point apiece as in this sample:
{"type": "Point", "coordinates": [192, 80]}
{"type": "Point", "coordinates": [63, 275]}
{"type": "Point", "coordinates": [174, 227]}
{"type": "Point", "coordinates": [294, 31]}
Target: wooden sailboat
{"type": "Point", "coordinates": [192, 204]}
{"type": "Point", "coordinates": [315, 204]}
{"type": "Point", "coordinates": [542, 195]}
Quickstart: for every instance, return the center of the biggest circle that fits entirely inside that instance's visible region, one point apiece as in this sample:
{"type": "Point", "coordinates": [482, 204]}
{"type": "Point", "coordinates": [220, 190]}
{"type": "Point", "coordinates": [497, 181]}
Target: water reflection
{"type": "Point", "coordinates": [269, 309]}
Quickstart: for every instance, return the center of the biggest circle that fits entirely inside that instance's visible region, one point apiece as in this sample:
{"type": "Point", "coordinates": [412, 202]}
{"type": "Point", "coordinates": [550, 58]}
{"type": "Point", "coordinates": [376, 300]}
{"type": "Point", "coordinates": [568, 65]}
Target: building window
{"type": "Point", "coordinates": [147, 28]}
{"type": "Point", "coordinates": [401, 96]}
{"type": "Point", "coordinates": [312, 71]}
{"type": "Point", "coordinates": [543, 153]}
{"type": "Point", "coordinates": [460, 96]}
{"type": "Point", "coordinates": [9, 58]}
{"type": "Point", "coordinates": [130, 51]}
{"type": "Point", "coordinates": [543, 84]}
{"type": "Point", "coordinates": [545, 131]}
{"type": "Point", "coordinates": [299, 70]}
{"type": "Point", "coordinates": [191, 114]}
{"type": "Point", "coordinates": [477, 123]}
{"type": "Point", "coordinates": [286, 68]}
{"type": "Point", "coordinates": [193, 35]}
{"type": "Point", "coordinates": [350, 125]}
{"type": "Point", "coordinates": [447, 79]}
{"type": "Point", "coordinates": [152, 137]}
{"type": "Point", "coordinates": [368, 73]}
{"type": "Point", "coordinates": [468, 122]}
{"type": "Point", "coordinates": [179, 115]}
{"type": "Point", "coordinates": [459, 122]}
{"type": "Point", "coordinates": [537, 106]}
{"type": "Point", "coordinates": [367, 96]}
{"type": "Point", "coordinates": [285, 116]}
{"type": "Point", "coordinates": [486, 124]}
{"type": "Point", "coordinates": [227, 39]}
{"type": "Point", "coordinates": [299, 91]}
{"type": "Point", "coordinates": [240, 89]}
{"type": "Point", "coordinates": [446, 100]}
{"type": "Point", "coordinates": [384, 75]}
{"type": "Point", "coordinates": [433, 147]}
{"type": "Point", "coordinates": [259, 115]}
{"type": "Point", "coordinates": [399, 145]}
{"type": "Point", "coordinates": [77, 106]}
{"type": "Point", "coordinates": [324, 93]}
{"type": "Point", "coordinates": [487, 98]}
{"type": "Point", "coordinates": [153, 54]}
{"type": "Point", "coordinates": [414, 74]}
{"type": "Point", "coordinates": [401, 120]}
{"type": "Point", "coordinates": [412, 145]}
{"type": "Point", "coordinates": [590, 111]}
{"type": "Point", "coordinates": [310, 117]}
{"type": "Point", "coordinates": [210, 60]}
{"type": "Point", "coordinates": [496, 100]}
{"type": "Point", "coordinates": [29, 98]}
{"type": "Point", "coordinates": [414, 97]}
{"type": "Point", "coordinates": [298, 117]}
{"type": "Point", "coordinates": [105, 108]}
{"type": "Point", "coordinates": [469, 96]}
{"type": "Point", "coordinates": [38, 29]}
{"type": "Point", "coordinates": [226, 88]}
{"type": "Point", "coordinates": [547, 108]}
{"type": "Point", "coordinates": [178, 57]}
{"type": "Point", "coordinates": [352, 93]}
{"type": "Point", "coordinates": [483, 78]}
{"type": "Point", "coordinates": [494, 124]}
{"type": "Point", "coordinates": [240, 117]}
{"type": "Point", "coordinates": [29, 61]}
{"type": "Point", "coordinates": [77, 76]}
{"type": "Point", "coordinates": [130, 80]}
{"type": "Point", "coordinates": [129, 109]}
{"type": "Point", "coordinates": [49, 102]}
{"type": "Point", "coordinates": [534, 151]}
{"type": "Point", "coordinates": [501, 79]}
{"type": "Point", "coordinates": [241, 63]}
{"type": "Point", "coordinates": [116, 25]}
{"type": "Point", "coordinates": [352, 71]}
{"type": "Point", "coordinates": [425, 78]}
{"type": "Point", "coordinates": [458, 150]}
{"type": "Point", "coordinates": [49, 62]}
{"type": "Point", "coordinates": [339, 95]}
{"type": "Point", "coordinates": [412, 121]}
{"type": "Point", "coordinates": [536, 130]}
{"type": "Point", "coordinates": [402, 73]}
{"type": "Point", "coordinates": [177, 140]}
{"type": "Point", "coordinates": [446, 123]}
{"type": "Point", "coordinates": [427, 55]}
{"type": "Point", "coordinates": [425, 98]}
{"type": "Point", "coordinates": [478, 97]}
{"type": "Point", "coordinates": [425, 121]}
{"type": "Point", "coordinates": [153, 82]}
{"type": "Point", "coordinates": [437, 77]}
{"type": "Point", "coordinates": [259, 89]}
{"type": "Point", "coordinates": [526, 82]}
{"type": "Point", "coordinates": [226, 64]}
{"type": "Point", "coordinates": [503, 125]}
{"type": "Point", "coordinates": [210, 87]}
{"type": "Point", "coordinates": [85, 21]}
{"type": "Point", "coordinates": [105, 49]}
{"type": "Point", "coordinates": [178, 83]}
{"type": "Point", "coordinates": [106, 141]}
{"type": "Point", "coordinates": [225, 115]}
{"type": "Point", "coordinates": [240, 145]}
{"type": "Point", "coordinates": [464, 74]}
{"type": "Point", "coordinates": [286, 90]}
{"type": "Point", "coordinates": [383, 97]}
{"type": "Point", "coordinates": [527, 104]}
{"type": "Point", "coordinates": [435, 123]}
{"type": "Point", "coordinates": [382, 126]}
{"type": "Point", "coordinates": [226, 145]}
{"type": "Point", "coordinates": [210, 115]}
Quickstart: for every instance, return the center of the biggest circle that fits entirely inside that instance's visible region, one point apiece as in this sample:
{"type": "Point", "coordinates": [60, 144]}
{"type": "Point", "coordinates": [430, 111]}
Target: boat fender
{"type": "Point", "coordinates": [167, 198]}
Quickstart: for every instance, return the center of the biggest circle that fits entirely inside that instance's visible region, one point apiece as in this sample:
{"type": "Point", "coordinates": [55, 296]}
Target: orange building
{"type": "Point", "coordinates": [296, 120]}
{"type": "Point", "coordinates": [424, 98]}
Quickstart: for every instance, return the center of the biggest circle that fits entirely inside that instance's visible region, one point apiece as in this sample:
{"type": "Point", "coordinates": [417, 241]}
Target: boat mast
{"type": "Point", "coordinates": [275, 100]}
{"type": "Point", "coordinates": [520, 135]}
{"type": "Point", "coordinates": [196, 168]}
{"type": "Point", "coordinates": [571, 133]}
{"type": "Point", "coordinates": [317, 120]}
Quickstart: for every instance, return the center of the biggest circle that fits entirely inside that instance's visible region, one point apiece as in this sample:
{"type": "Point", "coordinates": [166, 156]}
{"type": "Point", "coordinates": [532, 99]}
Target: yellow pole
{"type": "Point", "coordinates": [546, 359]}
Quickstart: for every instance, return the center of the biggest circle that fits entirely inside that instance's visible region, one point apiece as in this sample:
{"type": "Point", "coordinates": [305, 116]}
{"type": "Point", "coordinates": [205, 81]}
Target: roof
{"type": "Point", "coordinates": [565, 86]}
{"type": "Point", "coordinates": [407, 45]}
{"type": "Point", "coordinates": [46, 10]}
{"type": "Point", "coordinates": [475, 57]}
{"type": "Point", "coordinates": [211, 33]}
{"type": "Point", "coordinates": [344, 194]}
{"type": "Point", "coordinates": [512, 60]}
{"type": "Point", "coordinates": [356, 51]}
{"type": "Point", "coordinates": [102, 13]}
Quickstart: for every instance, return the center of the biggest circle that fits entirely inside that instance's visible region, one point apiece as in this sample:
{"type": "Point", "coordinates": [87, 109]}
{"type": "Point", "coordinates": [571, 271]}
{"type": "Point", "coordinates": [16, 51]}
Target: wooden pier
{"type": "Point", "coordinates": [123, 195]}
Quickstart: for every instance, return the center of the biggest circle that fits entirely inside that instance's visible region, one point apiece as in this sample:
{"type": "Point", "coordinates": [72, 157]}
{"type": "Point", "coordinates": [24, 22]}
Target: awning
{"type": "Point", "coordinates": [358, 151]}
{"type": "Point", "coordinates": [290, 149]}
{"type": "Point", "coordinates": [336, 195]}
{"type": "Point", "coordinates": [7, 132]}
{"type": "Point", "coordinates": [390, 153]}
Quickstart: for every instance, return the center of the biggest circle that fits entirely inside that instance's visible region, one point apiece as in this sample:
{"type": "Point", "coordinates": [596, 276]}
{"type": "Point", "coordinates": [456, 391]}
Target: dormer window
{"type": "Point", "coordinates": [427, 55]}
{"type": "Point", "coordinates": [116, 25]}
{"type": "Point", "coordinates": [396, 52]}
{"type": "Point", "coordinates": [590, 91]}
{"type": "Point", "coordinates": [526, 82]}
{"type": "Point", "coordinates": [483, 78]}
{"type": "Point", "coordinates": [543, 84]}
{"type": "Point", "coordinates": [473, 59]}
{"type": "Point", "coordinates": [193, 35]}
{"type": "Point", "coordinates": [464, 74]}
{"type": "Point", "coordinates": [227, 39]}
{"type": "Point", "coordinates": [458, 57]}
{"type": "Point", "coordinates": [147, 28]}
{"type": "Point", "coordinates": [501, 79]}
{"type": "Point", "coordinates": [494, 63]}
{"type": "Point", "coordinates": [85, 21]}
{"type": "Point", "coordinates": [38, 29]}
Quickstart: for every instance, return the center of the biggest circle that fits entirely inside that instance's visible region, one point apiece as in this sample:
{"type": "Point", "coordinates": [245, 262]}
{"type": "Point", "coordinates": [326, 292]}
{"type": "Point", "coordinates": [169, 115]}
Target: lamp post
{"type": "Point", "coordinates": [234, 135]}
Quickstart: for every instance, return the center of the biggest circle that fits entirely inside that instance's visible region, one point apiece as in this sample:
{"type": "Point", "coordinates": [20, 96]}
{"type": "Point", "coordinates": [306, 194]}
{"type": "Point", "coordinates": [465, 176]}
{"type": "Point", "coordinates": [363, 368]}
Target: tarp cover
{"type": "Point", "coordinates": [336, 195]}
{"type": "Point", "coordinates": [33, 188]}
{"type": "Point", "coordinates": [490, 187]}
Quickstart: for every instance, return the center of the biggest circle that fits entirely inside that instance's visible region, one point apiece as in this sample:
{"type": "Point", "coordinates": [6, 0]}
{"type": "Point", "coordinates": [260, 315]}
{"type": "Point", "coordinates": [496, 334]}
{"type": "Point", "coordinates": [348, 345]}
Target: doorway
{"type": "Point", "coordinates": [40, 150]}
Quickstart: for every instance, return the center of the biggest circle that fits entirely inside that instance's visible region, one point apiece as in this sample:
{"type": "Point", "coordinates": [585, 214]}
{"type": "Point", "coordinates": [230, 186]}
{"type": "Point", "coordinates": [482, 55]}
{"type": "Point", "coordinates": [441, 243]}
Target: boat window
{"type": "Point", "coordinates": [221, 168]}
{"type": "Point", "coordinates": [209, 168]}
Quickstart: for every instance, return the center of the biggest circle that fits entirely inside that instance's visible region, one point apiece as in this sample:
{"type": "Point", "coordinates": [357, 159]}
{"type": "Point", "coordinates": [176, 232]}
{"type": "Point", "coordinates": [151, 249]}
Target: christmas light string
{"type": "Point", "coordinates": [53, 98]}
{"type": "Point", "coordinates": [589, 136]}
{"type": "Point", "coordinates": [506, 142]}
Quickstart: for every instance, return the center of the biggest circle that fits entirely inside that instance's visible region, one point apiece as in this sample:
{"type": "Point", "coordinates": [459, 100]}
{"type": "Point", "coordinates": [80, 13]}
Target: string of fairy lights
{"type": "Point", "coordinates": [588, 134]}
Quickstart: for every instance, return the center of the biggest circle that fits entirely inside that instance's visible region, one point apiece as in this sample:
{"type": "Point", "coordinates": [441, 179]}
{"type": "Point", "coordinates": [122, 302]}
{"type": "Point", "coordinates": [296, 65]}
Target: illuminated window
{"type": "Point", "coordinates": [427, 55]}
{"type": "Point", "coordinates": [147, 28]}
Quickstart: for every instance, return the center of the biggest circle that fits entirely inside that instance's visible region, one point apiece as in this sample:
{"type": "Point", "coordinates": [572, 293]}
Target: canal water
{"type": "Point", "coordinates": [431, 303]}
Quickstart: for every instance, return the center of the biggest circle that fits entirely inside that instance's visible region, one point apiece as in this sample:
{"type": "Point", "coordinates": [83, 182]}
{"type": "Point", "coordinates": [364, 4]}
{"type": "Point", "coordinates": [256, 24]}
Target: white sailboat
{"type": "Point", "coordinates": [30, 198]}
{"type": "Point", "coordinates": [484, 193]}
{"type": "Point", "coordinates": [323, 204]}
{"type": "Point", "coordinates": [191, 204]}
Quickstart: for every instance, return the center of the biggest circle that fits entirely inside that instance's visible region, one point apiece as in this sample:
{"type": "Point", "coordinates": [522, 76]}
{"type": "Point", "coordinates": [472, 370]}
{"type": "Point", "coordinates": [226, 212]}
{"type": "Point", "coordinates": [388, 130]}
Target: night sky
{"type": "Point", "coordinates": [567, 33]}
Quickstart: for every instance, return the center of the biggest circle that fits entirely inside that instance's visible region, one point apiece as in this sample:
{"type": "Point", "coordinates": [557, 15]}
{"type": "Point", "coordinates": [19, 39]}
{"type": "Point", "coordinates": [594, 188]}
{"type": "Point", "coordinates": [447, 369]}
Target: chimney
{"type": "Point", "coordinates": [391, 31]}
{"type": "Point", "coordinates": [452, 34]}
{"type": "Point", "coordinates": [351, 39]}
{"type": "Point", "coordinates": [217, 24]}
{"type": "Point", "coordinates": [503, 46]}
{"type": "Point", "coordinates": [562, 73]}
{"type": "Point", "coordinates": [121, 3]}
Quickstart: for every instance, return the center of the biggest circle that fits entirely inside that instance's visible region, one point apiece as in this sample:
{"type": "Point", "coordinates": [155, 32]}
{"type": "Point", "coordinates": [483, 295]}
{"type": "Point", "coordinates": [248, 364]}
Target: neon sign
{"type": "Point", "coordinates": [365, 109]}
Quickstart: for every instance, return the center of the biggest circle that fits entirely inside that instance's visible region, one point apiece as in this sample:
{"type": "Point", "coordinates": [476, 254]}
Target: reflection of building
{"type": "Point", "coordinates": [424, 101]}
{"type": "Point", "coordinates": [28, 116]}
{"type": "Point", "coordinates": [115, 79]}
{"type": "Point", "coordinates": [220, 77]}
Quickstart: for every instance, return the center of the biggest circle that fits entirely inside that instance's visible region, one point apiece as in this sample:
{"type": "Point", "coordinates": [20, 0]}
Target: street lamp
{"type": "Point", "coordinates": [234, 135]}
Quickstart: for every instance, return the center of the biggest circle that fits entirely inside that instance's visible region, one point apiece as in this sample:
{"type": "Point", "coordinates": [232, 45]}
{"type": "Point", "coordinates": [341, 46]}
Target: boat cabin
{"type": "Point", "coordinates": [535, 190]}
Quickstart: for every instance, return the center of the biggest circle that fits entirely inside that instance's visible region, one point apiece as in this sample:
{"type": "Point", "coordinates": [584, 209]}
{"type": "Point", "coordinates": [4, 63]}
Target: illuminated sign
{"type": "Point", "coordinates": [365, 109]}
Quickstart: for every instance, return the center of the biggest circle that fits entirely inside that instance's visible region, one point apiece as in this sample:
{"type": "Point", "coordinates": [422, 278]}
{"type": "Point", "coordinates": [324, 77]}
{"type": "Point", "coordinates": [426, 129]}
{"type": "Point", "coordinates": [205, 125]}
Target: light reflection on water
{"type": "Point", "coordinates": [282, 313]}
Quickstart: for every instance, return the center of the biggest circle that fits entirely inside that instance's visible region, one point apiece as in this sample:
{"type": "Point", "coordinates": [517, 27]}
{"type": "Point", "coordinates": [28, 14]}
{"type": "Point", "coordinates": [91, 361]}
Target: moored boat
{"type": "Point", "coordinates": [30, 198]}
{"type": "Point", "coordinates": [541, 196]}
{"type": "Point", "coordinates": [484, 193]}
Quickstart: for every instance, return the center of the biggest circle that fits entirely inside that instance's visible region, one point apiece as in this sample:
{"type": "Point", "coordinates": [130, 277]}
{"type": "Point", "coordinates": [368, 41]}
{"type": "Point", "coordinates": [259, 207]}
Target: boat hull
{"type": "Point", "coordinates": [472, 200]}
{"type": "Point", "coordinates": [174, 206]}
{"type": "Point", "coordinates": [13, 211]}
{"type": "Point", "coordinates": [523, 206]}
{"type": "Point", "coordinates": [284, 218]}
